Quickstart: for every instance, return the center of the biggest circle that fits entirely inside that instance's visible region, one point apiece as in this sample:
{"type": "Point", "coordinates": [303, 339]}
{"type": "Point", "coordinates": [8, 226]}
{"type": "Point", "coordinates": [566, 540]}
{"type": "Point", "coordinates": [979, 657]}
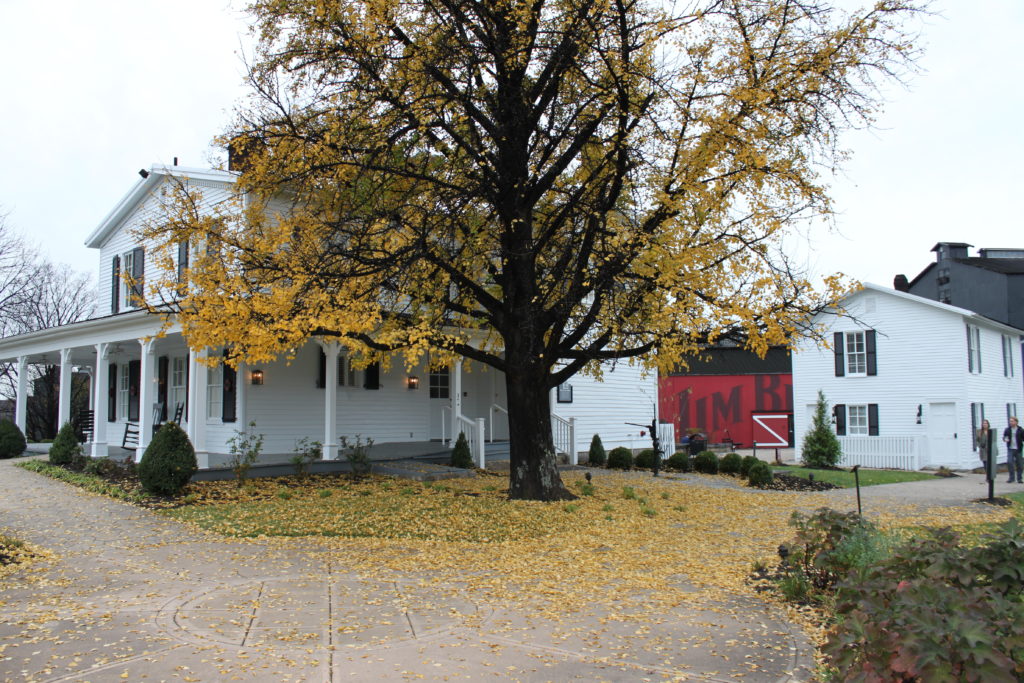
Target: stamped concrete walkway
{"type": "Point", "coordinates": [135, 596]}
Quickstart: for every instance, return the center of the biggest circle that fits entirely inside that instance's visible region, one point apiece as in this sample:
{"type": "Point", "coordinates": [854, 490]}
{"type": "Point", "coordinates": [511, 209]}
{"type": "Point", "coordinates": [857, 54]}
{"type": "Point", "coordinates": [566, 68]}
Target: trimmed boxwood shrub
{"type": "Point", "coordinates": [12, 441]}
{"type": "Point", "coordinates": [461, 457]}
{"type": "Point", "coordinates": [730, 463]}
{"type": "Point", "coordinates": [169, 461]}
{"type": "Point", "coordinates": [759, 475]}
{"type": "Point", "coordinates": [598, 456]}
{"type": "Point", "coordinates": [748, 462]}
{"type": "Point", "coordinates": [645, 459]}
{"type": "Point", "coordinates": [65, 448]}
{"type": "Point", "coordinates": [620, 458]}
{"type": "Point", "coordinates": [680, 461]}
{"type": "Point", "coordinates": [706, 462]}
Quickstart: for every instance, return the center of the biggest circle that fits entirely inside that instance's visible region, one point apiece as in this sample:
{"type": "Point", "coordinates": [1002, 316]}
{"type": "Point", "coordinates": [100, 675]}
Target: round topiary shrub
{"type": "Point", "coordinates": [461, 457]}
{"type": "Point", "coordinates": [65, 448]}
{"type": "Point", "coordinates": [747, 462]}
{"type": "Point", "coordinates": [620, 458]}
{"type": "Point", "coordinates": [680, 461]}
{"type": "Point", "coordinates": [760, 475]}
{"type": "Point", "coordinates": [169, 461]}
{"type": "Point", "coordinates": [706, 462]}
{"type": "Point", "coordinates": [730, 463]}
{"type": "Point", "coordinates": [645, 459]}
{"type": "Point", "coordinates": [12, 441]}
{"type": "Point", "coordinates": [598, 456]}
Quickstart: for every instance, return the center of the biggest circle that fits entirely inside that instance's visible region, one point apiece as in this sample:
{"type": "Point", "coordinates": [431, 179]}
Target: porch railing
{"type": "Point", "coordinates": [490, 418]}
{"type": "Point", "coordinates": [474, 431]}
{"type": "Point", "coordinates": [563, 433]}
{"type": "Point", "coordinates": [885, 452]}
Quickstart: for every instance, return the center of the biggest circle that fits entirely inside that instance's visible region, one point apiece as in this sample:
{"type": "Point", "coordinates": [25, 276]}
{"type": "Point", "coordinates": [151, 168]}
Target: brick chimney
{"type": "Point", "coordinates": [900, 283]}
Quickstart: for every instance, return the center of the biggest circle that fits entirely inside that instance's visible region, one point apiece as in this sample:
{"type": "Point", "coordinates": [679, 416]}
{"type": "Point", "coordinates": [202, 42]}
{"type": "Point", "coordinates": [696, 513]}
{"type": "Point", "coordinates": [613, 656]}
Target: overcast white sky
{"type": "Point", "coordinates": [93, 91]}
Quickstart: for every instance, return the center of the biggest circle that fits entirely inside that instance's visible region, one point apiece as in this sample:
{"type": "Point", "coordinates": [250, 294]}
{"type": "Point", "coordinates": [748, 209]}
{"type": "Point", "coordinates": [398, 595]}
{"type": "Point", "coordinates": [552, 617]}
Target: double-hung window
{"type": "Point", "coordinates": [177, 394]}
{"type": "Point", "coordinates": [855, 353]}
{"type": "Point", "coordinates": [215, 392]}
{"type": "Point", "coordinates": [974, 349]}
{"type": "Point", "coordinates": [856, 419]}
{"type": "Point", "coordinates": [123, 391]}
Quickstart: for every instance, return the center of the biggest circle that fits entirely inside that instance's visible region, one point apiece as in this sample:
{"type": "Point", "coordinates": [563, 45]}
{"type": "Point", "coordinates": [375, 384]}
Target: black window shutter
{"type": "Point", "coordinates": [372, 376]}
{"type": "Point", "coordinates": [228, 407]}
{"type": "Point", "coordinates": [872, 419]}
{"type": "Point", "coordinates": [974, 424]}
{"type": "Point", "coordinates": [840, 412]}
{"type": "Point", "coordinates": [321, 372]}
{"type": "Point", "coordinates": [134, 383]}
{"type": "Point", "coordinates": [869, 345]}
{"type": "Point", "coordinates": [162, 367]}
{"type": "Point", "coordinates": [112, 392]}
{"type": "Point", "coordinates": [138, 275]}
{"type": "Point", "coordinates": [341, 371]}
{"type": "Point", "coordinates": [188, 373]}
{"type": "Point", "coordinates": [970, 356]}
{"type": "Point", "coordinates": [837, 347]}
{"type": "Point", "coordinates": [115, 285]}
{"type": "Point", "coordinates": [182, 259]}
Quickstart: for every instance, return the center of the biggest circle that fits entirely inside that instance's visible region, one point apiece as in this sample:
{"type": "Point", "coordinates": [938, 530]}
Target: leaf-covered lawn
{"type": "Point", "coordinates": [845, 479]}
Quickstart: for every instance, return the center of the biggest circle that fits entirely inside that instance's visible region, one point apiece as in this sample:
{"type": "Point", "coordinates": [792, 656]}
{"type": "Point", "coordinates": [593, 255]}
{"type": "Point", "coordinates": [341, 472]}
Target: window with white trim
{"type": "Point", "coordinates": [857, 420]}
{"type": "Point", "coordinates": [127, 267]}
{"type": "Point", "coordinates": [974, 349]}
{"type": "Point", "coordinates": [1007, 356]}
{"type": "Point", "coordinates": [215, 392]}
{"type": "Point", "coordinates": [176, 393]}
{"type": "Point", "coordinates": [1011, 411]}
{"type": "Point", "coordinates": [977, 416]}
{"type": "Point", "coordinates": [123, 391]}
{"type": "Point", "coordinates": [856, 354]}
{"type": "Point", "coordinates": [440, 383]}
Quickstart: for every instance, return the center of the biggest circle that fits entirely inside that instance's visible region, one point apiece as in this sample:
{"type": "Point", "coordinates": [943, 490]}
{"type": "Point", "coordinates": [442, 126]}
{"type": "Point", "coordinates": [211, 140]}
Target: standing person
{"type": "Point", "coordinates": [987, 450]}
{"type": "Point", "coordinates": [1013, 437]}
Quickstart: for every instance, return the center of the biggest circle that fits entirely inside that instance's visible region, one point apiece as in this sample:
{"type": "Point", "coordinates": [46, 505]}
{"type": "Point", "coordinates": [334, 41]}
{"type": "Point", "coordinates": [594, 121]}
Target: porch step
{"type": "Point", "coordinates": [496, 450]}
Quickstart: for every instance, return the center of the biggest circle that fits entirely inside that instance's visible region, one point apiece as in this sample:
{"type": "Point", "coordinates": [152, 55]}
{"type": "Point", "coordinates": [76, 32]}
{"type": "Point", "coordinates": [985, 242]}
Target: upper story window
{"type": "Point", "coordinates": [1007, 355]}
{"type": "Point", "coordinates": [973, 349]}
{"type": "Point", "coordinates": [564, 394]}
{"type": "Point", "coordinates": [855, 353]}
{"type": "Point", "coordinates": [125, 294]}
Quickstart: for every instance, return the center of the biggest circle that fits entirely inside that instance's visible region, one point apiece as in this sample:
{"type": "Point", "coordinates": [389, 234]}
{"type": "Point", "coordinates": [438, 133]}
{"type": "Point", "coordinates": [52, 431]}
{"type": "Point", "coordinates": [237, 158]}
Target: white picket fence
{"type": "Point", "coordinates": [883, 452]}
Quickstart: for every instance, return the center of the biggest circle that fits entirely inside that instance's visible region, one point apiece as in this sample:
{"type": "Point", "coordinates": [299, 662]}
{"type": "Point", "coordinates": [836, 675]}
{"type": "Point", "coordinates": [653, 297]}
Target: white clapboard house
{"type": "Point", "coordinates": [137, 381]}
{"type": "Point", "coordinates": [909, 380]}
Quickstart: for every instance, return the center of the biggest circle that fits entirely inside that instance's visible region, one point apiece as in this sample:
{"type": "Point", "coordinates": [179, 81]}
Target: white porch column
{"type": "Point", "coordinates": [480, 446]}
{"type": "Point", "coordinates": [21, 397]}
{"type": "Point", "coordinates": [241, 389]}
{"type": "Point", "coordinates": [456, 400]}
{"type": "Point", "coordinates": [330, 447]}
{"type": "Point", "coordinates": [101, 381]}
{"type": "Point", "coordinates": [197, 406]}
{"type": "Point", "coordinates": [147, 392]}
{"type": "Point", "coordinates": [64, 395]}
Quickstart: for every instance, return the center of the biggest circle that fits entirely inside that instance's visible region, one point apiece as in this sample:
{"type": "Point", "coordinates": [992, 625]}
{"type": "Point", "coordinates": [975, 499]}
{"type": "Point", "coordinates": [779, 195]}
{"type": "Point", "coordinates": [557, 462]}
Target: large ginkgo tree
{"type": "Point", "coordinates": [537, 185]}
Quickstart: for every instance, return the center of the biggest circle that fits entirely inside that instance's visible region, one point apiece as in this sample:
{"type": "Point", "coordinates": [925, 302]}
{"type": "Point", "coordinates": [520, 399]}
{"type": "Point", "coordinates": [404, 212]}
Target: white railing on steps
{"type": "Point", "coordinates": [563, 433]}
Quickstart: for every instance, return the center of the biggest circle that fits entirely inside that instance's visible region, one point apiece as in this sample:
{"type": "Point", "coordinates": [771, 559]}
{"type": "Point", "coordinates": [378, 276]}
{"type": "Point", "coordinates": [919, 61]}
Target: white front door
{"type": "Point", "coordinates": [942, 436]}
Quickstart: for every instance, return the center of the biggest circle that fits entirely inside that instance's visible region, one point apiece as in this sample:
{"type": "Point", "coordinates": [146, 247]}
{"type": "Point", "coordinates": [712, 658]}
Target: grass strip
{"type": "Point", "coordinates": [89, 482]}
{"type": "Point", "coordinates": [844, 478]}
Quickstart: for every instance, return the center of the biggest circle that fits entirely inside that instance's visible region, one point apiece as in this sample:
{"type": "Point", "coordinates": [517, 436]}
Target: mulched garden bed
{"type": "Point", "coordinates": [787, 482]}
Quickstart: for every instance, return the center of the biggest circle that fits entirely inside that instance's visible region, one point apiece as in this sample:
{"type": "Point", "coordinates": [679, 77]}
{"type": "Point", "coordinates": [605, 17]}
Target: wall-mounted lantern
{"type": "Point", "coordinates": [257, 377]}
{"type": "Point", "coordinates": [412, 382]}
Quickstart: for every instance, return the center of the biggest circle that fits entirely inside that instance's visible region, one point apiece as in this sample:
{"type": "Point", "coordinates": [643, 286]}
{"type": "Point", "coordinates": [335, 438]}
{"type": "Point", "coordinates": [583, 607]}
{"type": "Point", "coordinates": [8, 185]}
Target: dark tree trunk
{"type": "Point", "coordinates": [533, 471]}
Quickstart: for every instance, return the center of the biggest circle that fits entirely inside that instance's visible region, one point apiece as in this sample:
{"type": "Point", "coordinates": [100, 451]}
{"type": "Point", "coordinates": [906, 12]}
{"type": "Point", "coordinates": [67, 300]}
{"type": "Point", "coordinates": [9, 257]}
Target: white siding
{"type": "Point", "coordinates": [123, 240]}
{"type": "Point", "coordinates": [921, 359]}
{"type": "Point", "coordinates": [605, 406]}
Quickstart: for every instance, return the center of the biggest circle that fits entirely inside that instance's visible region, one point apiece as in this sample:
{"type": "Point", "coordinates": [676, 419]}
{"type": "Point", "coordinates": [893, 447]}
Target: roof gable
{"type": "Point", "coordinates": [870, 287]}
{"type": "Point", "coordinates": [143, 189]}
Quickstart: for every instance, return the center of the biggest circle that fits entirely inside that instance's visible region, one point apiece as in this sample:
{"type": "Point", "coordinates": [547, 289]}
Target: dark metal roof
{"type": "Point", "coordinates": [738, 361]}
{"type": "Point", "coordinates": [1007, 266]}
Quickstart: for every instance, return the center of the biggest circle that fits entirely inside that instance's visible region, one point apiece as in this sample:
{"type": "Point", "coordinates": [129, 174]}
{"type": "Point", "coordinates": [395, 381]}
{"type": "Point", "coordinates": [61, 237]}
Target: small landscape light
{"type": "Point", "coordinates": [784, 554]}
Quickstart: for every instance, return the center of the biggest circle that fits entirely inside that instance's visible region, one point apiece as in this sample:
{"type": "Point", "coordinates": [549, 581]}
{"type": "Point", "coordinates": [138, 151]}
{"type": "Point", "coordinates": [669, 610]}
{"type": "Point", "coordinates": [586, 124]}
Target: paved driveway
{"type": "Point", "coordinates": [135, 596]}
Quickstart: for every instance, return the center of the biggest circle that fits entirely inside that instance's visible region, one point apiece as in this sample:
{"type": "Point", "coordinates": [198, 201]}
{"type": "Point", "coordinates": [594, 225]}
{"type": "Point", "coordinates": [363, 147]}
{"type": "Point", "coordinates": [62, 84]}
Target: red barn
{"type": "Point", "coordinates": [730, 394]}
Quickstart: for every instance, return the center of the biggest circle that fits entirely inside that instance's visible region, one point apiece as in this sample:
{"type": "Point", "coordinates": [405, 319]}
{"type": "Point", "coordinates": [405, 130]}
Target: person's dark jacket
{"type": "Point", "coordinates": [1020, 436]}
